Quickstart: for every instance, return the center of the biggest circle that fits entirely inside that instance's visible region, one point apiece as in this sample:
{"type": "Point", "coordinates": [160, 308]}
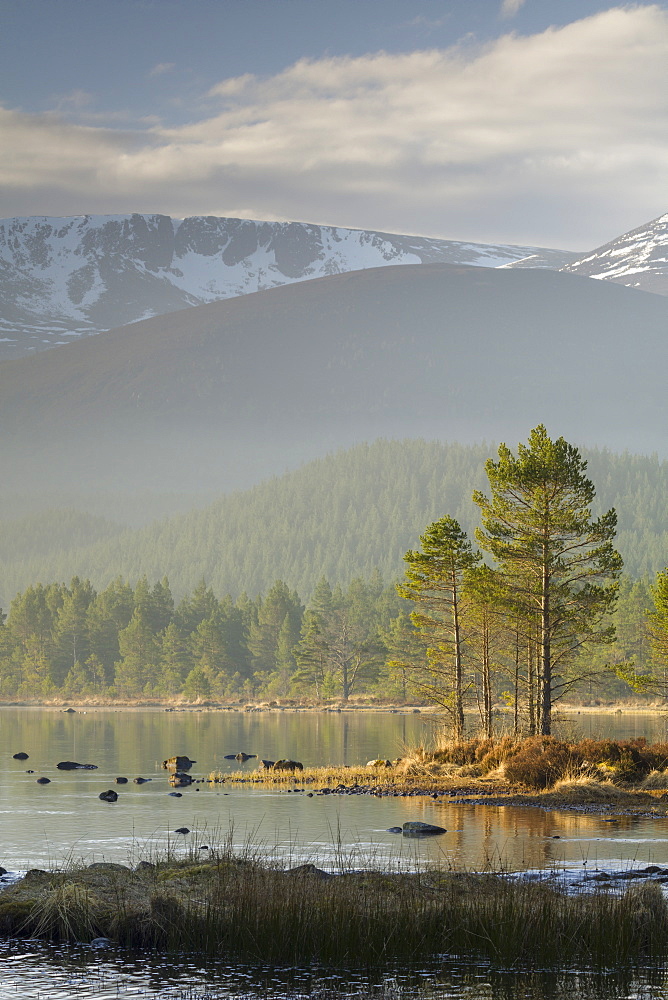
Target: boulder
{"type": "Point", "coordinates": [141, 781]}
{"type": "Point", "coordinates": [44, 781]}
{"type": "Point", "coordinates": [266, 765]}
{"type": "Point", "coordinates": [415, 828]}
{"type": "Point", "coordinates": [20, 756]}
{"type": "Point", "coordinates": [288, 765]}
{"type": "Point", "coordinates": [244, 756]}
{"type": "Point", "coordinates": [71, 765]}
{"type": "Point", "coordinates": [121, 781]}
{"type": "Point", "coordinates": [309, 869]}
{"type": "Point", "coordinates": [181, 762]}
{"type": "Point", "coordinates": [182, 829]}
{"type": "Point", "coordinates": [109, 796]}
{"type": "Point", "coordinates": [379, 762]}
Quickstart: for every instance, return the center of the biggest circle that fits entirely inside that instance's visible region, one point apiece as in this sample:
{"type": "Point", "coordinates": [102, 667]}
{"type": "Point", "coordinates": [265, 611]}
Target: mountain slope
{"type": "Point", "coordinates": [638, 259]}
{"type": "Point", "coordinates": [341, 516]}
{"type": "Point", "coordinates": [216, 396]}
{"type": "Point", "coordinates": [64, 278]}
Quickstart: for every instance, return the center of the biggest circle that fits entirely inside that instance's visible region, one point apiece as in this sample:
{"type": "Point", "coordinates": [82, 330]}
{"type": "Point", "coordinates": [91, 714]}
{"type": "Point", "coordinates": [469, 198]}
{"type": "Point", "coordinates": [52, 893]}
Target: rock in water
{"type": "Point", "coordinates": [109, 796]}
{"type": "Point", "coordinates": [415, 828]}
{"type": "Point", "coordinates": [20, 756]}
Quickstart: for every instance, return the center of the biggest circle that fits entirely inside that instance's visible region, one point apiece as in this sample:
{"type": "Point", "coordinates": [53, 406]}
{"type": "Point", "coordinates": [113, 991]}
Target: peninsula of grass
{"type": "Point", "coordinates": [239, 908]}
{"type": "Point", "coordinates": [594, 775]}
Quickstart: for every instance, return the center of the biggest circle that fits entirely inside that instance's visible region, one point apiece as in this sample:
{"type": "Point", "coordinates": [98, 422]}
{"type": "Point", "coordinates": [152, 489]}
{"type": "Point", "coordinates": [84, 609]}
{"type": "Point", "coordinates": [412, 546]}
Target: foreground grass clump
{"type": "Point", "coordinates": [237, 908]}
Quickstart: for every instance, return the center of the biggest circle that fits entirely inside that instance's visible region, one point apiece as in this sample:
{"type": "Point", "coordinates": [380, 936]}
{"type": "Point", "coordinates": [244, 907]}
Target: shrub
{"type": "Point", "coordinates": [538, 762]}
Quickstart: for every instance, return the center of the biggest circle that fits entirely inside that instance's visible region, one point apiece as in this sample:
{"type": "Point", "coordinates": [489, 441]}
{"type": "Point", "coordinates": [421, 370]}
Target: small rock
{"type": "Point", "coordinates": [141, 781]}
{"type": "Point", "coordinates": [44, 781]}
{"type": "Point", "coordinates": [182, 829]}
{"type": "Point", "coordinates": [109, 796]}
{"type": "Point", "coordinates": [176, 795]}
{"type": "Point", "coordinates": [101, 942]}
{"type": "Point", "coordinates": [121, 781]}
{"type": "Point", "coordinates": [394, 829]}
{"type": "Point", "coordinates": [71, 765]}
{"type": "Point", "coordinates": [69, 711]}
{"type": "Point", "coordinates": [415, 828]}
{"type": "Point", "coordinates": [309, 869]}
{"type": "Point", "coordinates": [20, 756]}
{"type": "Point", "coordinates": [288, 765]}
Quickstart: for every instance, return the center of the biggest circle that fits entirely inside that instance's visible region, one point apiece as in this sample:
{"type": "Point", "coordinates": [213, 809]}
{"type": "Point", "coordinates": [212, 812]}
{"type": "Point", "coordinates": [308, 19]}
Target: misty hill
{"type": "Point", "coordinates": [65, 278]}
{"type": "Point", "coordinates": [220, 395]}
{"type": "Point", "coordinates": [341, 516]}
{"type": "Point", "coordinates": [639, 258]}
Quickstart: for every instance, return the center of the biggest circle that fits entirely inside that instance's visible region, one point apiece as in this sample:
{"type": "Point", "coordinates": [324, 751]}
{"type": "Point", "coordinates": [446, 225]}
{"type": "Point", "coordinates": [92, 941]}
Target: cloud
{"type": "Point", "coordinates": [511, 7]}
{"type": "Point", "coordinates": [559, 138]}
{"type": "Point", "coordinates": [160, 69]}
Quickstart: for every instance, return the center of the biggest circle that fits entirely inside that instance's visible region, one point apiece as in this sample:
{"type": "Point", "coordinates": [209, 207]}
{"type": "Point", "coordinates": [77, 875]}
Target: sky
{"type": "Point", "coordinates": [540, 122]}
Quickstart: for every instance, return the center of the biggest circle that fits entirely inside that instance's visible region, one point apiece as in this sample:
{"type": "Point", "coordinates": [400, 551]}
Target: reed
{"type": "Point", "coordinates": [236, 907]}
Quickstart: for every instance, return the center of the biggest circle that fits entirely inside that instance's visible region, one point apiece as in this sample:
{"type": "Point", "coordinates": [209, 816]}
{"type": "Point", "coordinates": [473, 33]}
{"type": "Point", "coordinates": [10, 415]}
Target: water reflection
{"type": "Point", "coordinates": [80, 971]}
{"type": "Point", "coordinates": [47, 824]}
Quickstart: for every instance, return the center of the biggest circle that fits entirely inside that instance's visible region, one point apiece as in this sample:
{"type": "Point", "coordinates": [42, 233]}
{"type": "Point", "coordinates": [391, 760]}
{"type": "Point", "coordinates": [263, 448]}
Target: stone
{"type": "Point", "coordinates": [44, 781]}
{"type": "Point", "coordinates": [244, 756]}
{"type": "Point", "coordinates": [176, 795]}
{"type": "Point", "coordinates": [121, 781]}
{"type": "Point", "coordinates": [415, 828]}
{"type": "Point", "coordinates": [181, 762]}
{"type": "Point", "coordinates": [182, 829]}
{"type": "Point", "coordinates": [288, 765]}
{"type": "Point", "coordinates": [20, 756]}
{"type": "Point", "coordinates": [141, 781]}
{"type": "Point", "coordinates": [309, 869]}
{"type": "Point", "coordinates": [101, 942]}
{"type": "Point", "coordinates": [109, 796]}
{"type": "Point", "coordinates": [394, 829]}
{"type": "Point", "coordinates": [71, 765]}
{"type": "Point", "coordinates": [108, 866]}
{"type": "Point", "coordinates": [266, 765]}
{"type": "Point", "coordinates": [379, 762]}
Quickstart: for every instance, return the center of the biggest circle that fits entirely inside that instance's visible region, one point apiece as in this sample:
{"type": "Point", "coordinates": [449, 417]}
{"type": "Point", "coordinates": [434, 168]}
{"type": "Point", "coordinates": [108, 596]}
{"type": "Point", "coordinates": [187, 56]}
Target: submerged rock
{"type": "Point", "coordinates": [71, 765]}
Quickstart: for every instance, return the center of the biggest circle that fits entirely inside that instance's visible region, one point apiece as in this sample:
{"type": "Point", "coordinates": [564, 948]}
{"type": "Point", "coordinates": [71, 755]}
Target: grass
{"type": "Point", "coordinates": [236, 907]}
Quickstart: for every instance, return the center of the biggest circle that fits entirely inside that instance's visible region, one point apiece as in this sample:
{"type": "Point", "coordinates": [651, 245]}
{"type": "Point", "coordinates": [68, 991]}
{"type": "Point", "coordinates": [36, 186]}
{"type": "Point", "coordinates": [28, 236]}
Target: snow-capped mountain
{"type": "Point", "coordinates": [66, 277]}
{"type": "Point", "coordinates": [638, 259]}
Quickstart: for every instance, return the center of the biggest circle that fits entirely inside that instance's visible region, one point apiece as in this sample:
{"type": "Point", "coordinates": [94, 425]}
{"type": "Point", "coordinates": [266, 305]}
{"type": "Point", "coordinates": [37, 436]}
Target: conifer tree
{"type": "Point", "coordinates": [558, 563]}
{"type": "Point", "coordinates": [434, 580]}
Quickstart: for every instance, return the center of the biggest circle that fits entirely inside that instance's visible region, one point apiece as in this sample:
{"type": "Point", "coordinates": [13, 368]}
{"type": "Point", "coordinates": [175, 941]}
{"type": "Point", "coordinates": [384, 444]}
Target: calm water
{"type": "Point", "coordinates": [50, 824]}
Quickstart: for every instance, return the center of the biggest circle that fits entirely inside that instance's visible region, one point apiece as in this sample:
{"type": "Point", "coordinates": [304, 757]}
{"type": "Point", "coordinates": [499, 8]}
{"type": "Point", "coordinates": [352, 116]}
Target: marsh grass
{"type": "Point", "coordinates": [236, 906]}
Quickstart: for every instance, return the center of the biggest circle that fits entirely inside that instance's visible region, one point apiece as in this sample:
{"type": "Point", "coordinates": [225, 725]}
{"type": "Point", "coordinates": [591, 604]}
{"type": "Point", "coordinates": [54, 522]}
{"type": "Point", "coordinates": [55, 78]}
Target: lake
{"type": "Point", "coordinates": [45, 825]}
{"type": "Point", "coordinates": [50, 824]}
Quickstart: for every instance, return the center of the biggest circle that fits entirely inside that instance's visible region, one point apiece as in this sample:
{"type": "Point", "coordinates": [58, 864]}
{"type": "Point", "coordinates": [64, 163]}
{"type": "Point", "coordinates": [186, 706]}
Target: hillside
{"type": "Point", "coordinates": [66, 278]}
{"type": "Point", "coordinates": [218, 396]}
{"type": "Point", "coordinates": [341, 516]}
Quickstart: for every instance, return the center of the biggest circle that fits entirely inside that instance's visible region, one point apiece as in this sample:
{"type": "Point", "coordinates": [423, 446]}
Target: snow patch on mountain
{"type": "Point", "coordinates": [68, 277]}
{"type": "Point", "coordinates": [638, 259]}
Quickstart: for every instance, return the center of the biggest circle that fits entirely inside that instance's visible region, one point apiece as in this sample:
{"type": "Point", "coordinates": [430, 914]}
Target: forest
{"type": "Point", "coordinates": [343, 516]}
{"type": "Point", "coordinates": [373, 637]}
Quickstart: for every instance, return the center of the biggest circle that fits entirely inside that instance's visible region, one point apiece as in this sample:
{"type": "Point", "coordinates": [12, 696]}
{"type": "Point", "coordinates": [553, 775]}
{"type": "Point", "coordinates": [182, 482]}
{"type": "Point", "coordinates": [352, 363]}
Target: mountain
{"type": "Point", "coordinates": [66, 278]}
{"type": "Point", "coordinates": [217, 396]}
{"type": "Point", "coordinates": [638, 259]}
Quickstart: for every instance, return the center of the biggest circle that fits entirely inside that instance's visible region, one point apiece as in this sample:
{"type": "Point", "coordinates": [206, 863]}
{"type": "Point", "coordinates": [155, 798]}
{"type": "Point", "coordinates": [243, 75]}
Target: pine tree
{"type": "Point", "coordinates": [434, 580]}
{"type": "Point", "coordinates": [558, 564]}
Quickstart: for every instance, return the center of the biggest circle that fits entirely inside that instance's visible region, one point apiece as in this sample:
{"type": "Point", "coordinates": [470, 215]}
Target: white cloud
{"type": "Point", "coordinates": [160, 69]}
{"type": "Point", "coordinates": [511, 7]}
{"type": "Point", "coordinates": [558, 138]}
